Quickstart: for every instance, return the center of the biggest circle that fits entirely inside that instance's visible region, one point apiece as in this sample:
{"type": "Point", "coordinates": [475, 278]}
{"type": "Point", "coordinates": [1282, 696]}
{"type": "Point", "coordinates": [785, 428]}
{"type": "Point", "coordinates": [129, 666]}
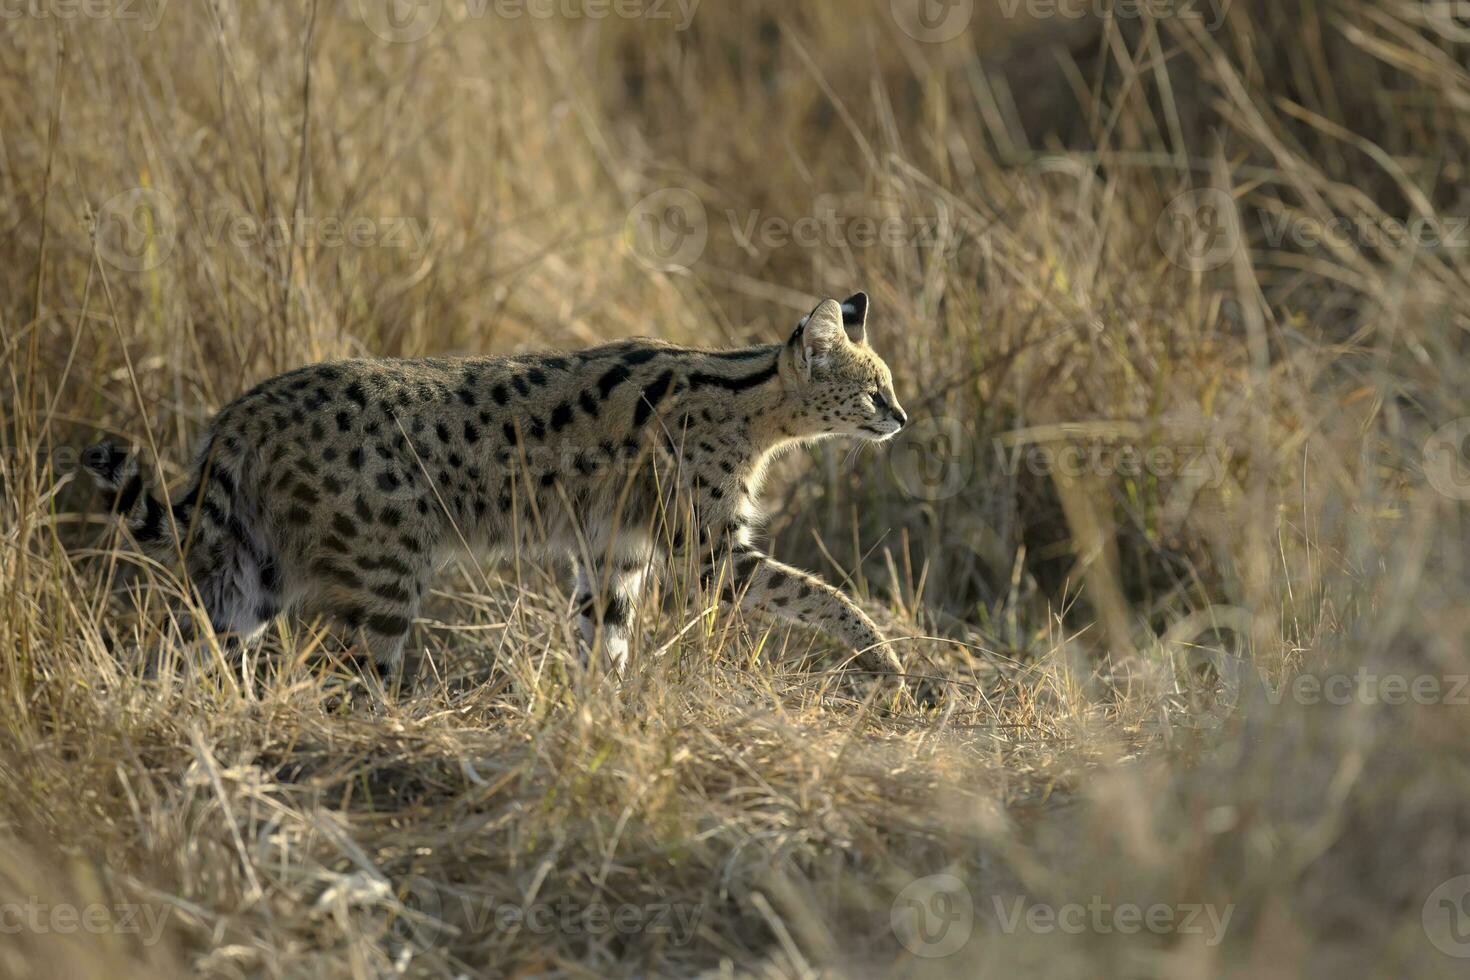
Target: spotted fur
{"type": "Point", "coordinates": [339, 488]}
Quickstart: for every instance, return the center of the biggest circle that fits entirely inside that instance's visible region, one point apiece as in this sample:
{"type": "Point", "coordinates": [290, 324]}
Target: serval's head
{"type": "Point", "coordinates": [841, 387]}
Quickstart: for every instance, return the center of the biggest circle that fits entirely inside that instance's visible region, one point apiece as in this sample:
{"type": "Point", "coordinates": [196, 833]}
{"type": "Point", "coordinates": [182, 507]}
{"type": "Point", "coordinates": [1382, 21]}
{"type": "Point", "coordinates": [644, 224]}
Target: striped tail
{"type": "Point", "coordinates": [117, 470]}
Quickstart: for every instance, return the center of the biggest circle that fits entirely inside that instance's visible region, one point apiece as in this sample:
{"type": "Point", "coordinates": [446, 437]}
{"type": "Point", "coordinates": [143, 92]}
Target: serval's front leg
{"type": "Point", "coordinates": [755, 581]}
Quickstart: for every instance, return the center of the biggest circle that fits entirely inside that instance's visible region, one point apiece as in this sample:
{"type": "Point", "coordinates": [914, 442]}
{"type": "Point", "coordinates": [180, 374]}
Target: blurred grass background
{"type": "Point", "coordinates": [1118, 666]}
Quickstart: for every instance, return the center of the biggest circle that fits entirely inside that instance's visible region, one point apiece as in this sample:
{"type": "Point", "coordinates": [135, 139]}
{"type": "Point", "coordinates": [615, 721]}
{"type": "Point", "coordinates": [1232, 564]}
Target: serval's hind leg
{"type": "Point", "coordinates": [607, 595]}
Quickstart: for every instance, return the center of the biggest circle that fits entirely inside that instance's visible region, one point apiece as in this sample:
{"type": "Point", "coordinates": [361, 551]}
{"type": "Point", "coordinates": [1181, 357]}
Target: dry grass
{"type": "Point", "coordinates": [1104, 653]}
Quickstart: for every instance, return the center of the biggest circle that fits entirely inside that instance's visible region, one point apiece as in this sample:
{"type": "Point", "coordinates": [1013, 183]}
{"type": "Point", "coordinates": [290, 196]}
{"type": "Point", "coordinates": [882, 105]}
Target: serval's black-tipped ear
{"type": "Point", "coordinates": [816, 336]}
{"type": "Point", "coordinates": [855, 317]}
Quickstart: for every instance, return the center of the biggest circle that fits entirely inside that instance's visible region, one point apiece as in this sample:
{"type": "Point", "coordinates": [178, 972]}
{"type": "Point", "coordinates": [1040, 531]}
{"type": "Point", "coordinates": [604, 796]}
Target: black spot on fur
{"type": "Point", "coordinates": [356, 395]}
{"type": "Point", "coordinates": [747, 354]}
{"type": "Point", "coordinates": [613, 377]}
{"type": "Point", "coordinates": [128, 495]}
{"type": "Point", "coordinates": [343, 525]}
{"type": "Point", "coordinates": [471, 434]}
{"type": "Point", "coordinates": [386, 562]}
{"type": "Point", "coordinates": [388, 481]}
{"type": "Point", "coordinates": [393, 592]}
{"type": "Point", "coordinates": [700, 379]}
{"type": "Point", "coordinates": [652, 395]}
{"type": "Point", "coordinates": [355, 458]}
{"type": "Point", "coordinates": [337, 573]}
{"type": "Point", "coordinates": [640, 356]}
{"type": "Point", "coordinates": [745, 567]}
{"type": "Point", "coordinates": [442, 431]}
{"type": "Point", "coordinates": [561, 416]}
{"type": "Point", "coordinates": [387, 625]}
{"type": "Point", "coordinates": [500, 395]}
{"type": "Point", "coordinates": [152, 526]}
{"type": "Point", "coordinates": [299, 516]}
{"type": "Point", "coordinates": [617, 611]}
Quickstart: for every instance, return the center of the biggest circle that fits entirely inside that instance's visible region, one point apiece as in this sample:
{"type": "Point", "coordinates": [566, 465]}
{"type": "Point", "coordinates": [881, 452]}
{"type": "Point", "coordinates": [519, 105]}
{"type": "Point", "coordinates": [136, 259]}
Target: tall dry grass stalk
{"type": "Point", "coordinates": [1121, 664]}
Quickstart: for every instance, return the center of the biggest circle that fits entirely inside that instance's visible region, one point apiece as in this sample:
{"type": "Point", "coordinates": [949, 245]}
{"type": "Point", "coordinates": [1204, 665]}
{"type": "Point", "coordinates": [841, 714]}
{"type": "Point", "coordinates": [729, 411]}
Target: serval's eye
{"type": "Point", "coordinates": [879, 402]}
